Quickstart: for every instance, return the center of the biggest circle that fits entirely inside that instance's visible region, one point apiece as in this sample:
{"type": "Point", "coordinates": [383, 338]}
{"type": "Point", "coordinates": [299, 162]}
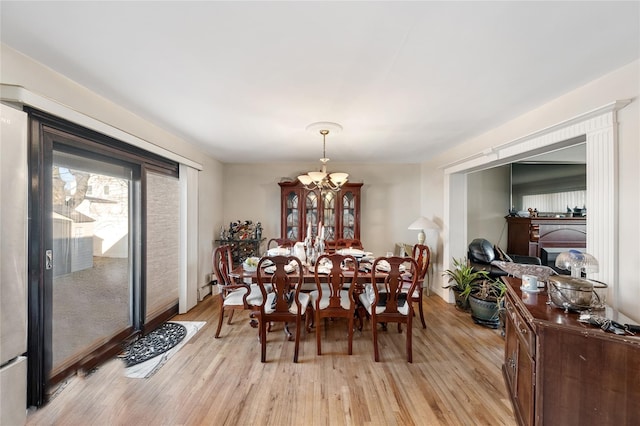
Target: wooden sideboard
{"type": "Point", "coordinates": [528, 236]}
{"type": "Point", "coordinates": [242, 248]}
{"type": "Point", "coordinates": [559, 371]}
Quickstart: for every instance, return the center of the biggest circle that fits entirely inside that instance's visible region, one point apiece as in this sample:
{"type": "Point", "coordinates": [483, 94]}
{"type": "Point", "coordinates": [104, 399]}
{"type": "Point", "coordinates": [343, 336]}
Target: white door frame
{"type": "Point", "coordinates": [600, 128]}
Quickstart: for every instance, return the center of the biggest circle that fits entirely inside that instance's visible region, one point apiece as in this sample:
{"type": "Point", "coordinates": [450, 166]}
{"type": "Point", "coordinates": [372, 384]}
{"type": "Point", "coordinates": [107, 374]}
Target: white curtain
{"type": "Point", "coordinates": [163, 243]}
{"type": "Point", "coordinates": [557, 202]}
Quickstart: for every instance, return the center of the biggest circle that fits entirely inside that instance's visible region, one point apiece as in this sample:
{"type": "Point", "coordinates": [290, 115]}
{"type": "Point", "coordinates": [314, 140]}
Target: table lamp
{"type": "Point", "coordinates": [577, 262]}
{"type": "Point", "coordinates": [422, 223]}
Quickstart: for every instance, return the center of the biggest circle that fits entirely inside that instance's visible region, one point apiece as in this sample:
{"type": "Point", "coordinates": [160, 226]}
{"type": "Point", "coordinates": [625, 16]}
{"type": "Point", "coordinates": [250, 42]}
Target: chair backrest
{"type": "Point", "coordinates": [285, 285]}
{"type": "Point", "coordinates": [394, 283]}
{"type": "Point", "coordinates": [223, 265]}
{"type": "Point", "coordinates": [422, 255]}
{"type": "Point", "coordinates": [280, 242]}
{"type": "Point", "coordinates": [402, 249]}
{"type": "Point", "coordinates": [481, 250]}
{"type": "Point", "coordinates": [342, 243]}
{"type": "Point", "coordinates": [335, 281]}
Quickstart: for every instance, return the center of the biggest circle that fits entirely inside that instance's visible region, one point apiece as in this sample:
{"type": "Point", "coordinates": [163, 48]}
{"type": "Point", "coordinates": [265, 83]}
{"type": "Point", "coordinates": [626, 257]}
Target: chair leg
{"type": "Point", "coordinates": [424, 324]}
{"type": "Point", "coordinates": [263, 340]}
{"type": "Point", "coordinates": [220, 321]}
{"type": "Point", "coordinates": [230, 316]}
{"type": "Point", "coordinates": [350, 336]}
{"type": "Point", "coordinates": [297, 344]}
{"type": "Point", "coordinates": [374, 328]}
{"type": "Point", "coordinates": [409, 348]}
{"type": "Point", "coordinates": [318, 333]}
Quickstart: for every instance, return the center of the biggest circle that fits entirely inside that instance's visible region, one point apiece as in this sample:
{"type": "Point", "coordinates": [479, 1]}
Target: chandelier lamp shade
{"type": "Point", "coordinates": [322, 180]}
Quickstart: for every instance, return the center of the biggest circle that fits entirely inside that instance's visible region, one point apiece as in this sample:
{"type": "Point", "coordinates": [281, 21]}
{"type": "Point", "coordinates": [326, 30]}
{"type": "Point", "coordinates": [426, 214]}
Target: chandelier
{"type": "Point", "coordinates": [322, 180]}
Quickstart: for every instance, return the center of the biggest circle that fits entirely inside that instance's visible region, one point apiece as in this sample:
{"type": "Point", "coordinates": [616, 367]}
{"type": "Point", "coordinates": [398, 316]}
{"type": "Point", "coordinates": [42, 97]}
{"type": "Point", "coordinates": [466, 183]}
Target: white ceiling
{"type": "Point", "coordinates": [406, 80]}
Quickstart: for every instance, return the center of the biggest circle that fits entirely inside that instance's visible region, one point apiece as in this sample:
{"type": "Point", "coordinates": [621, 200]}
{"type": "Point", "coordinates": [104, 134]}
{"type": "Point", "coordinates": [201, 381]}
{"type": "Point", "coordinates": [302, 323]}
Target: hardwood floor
{"type": "Point", "coordinates": [455, 379]}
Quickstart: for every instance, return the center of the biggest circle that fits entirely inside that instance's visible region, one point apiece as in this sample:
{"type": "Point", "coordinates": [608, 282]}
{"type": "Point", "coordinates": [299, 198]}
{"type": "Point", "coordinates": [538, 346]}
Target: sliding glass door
{"type": "Point", "coordinates": [91, 254]}
{"type": "Point", "coordinates": [104, 248]}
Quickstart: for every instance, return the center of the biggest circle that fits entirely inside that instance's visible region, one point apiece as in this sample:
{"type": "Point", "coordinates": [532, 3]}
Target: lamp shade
{"type": "Point", "coordinates": [423, 223]}
{"type": "Point", "coordinates": [305, 179]}
{"type": "Point", "coordinates": [339, 178]}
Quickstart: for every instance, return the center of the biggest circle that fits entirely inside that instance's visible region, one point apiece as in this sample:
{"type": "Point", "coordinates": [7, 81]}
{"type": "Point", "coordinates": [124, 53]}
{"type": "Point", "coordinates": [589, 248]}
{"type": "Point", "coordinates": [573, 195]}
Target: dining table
{"type": "Point", "coordinates": [364, 277]}
{"type": "Point", "coordinates": [364, 273]}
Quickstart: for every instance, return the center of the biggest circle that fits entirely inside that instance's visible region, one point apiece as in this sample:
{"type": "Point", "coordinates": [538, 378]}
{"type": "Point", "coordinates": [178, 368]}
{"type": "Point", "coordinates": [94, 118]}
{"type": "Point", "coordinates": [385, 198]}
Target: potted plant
{"type": "Point", "coordinates": [461, 278]}
{"type": "Point", "coordinates": [485, 300]}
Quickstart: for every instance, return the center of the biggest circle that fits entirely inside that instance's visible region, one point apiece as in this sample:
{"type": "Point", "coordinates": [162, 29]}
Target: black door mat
{"type": "Point", "coordinates": [159, 341]}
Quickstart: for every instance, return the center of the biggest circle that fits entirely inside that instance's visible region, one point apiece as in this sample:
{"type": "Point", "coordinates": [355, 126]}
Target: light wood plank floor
{"type": "Point", "coordinates": [455, 379]}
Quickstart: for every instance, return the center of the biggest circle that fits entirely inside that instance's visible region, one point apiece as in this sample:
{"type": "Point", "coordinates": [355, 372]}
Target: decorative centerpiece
{"type": "Point", "coordinates": [250, 264]}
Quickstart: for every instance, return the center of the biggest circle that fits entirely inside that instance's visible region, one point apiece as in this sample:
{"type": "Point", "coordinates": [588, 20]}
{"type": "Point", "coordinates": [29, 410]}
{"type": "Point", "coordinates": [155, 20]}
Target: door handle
{"type": "Point", "coordinates": [48, 259]}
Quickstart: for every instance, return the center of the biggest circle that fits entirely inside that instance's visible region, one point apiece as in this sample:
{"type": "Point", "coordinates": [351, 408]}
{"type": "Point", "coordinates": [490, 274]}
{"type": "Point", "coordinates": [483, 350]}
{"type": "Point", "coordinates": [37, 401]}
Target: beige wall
{"type": "Point", "coordinates": [390, 198]}
{"type": "Point", "coordinates": [623, 83]}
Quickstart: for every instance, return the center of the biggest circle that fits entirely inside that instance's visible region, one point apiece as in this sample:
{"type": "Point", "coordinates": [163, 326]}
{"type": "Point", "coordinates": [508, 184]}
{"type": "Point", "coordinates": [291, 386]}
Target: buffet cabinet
{"type": "Point", "coordinates": [529, 236]}
{"type": "Point", "coordinates": [559, 371]}
{"type": "Point", "coordinates": [241, 248]}
{"type": "Point", "coordinates": [339, 211]}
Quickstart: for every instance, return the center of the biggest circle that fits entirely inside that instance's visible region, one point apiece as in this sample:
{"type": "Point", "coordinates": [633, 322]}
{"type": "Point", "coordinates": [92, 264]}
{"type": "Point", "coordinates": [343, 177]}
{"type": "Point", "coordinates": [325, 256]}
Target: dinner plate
{"type": "Point", "coordinates": [384, 266]}
{"type": "Point", "coordinates": [271, 269]}
{"type": "Point", "coordinates": [352, 252]}
{"type": "Point", "coordinates": [266, 263]}
{"type": "Point", "coordinates": [325, 270]}
{"type": "Point", "coordinates": [278, 251]}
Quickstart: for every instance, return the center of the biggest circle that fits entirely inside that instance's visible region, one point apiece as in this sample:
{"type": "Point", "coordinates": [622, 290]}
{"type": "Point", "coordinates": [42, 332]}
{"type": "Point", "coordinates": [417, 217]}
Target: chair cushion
{"type": "Point", "coordinates": [307, 287]}
{"type": "Point", "coordinates": [254, 298]}
{"type": "Point", "coordinates": [293, 308]}
{"type": "Point", "coordinates": [345, 300]}
{"type": "Point", "coordinates": [416, 292]}
{"type": "Point", "coordinates": [367, 298]}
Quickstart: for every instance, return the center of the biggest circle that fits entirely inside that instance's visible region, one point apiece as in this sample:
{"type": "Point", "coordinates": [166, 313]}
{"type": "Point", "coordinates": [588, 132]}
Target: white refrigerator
{"type": "Point", "coordinates": [13, 266]}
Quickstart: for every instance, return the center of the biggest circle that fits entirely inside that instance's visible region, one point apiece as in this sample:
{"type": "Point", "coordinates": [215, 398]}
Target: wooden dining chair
{"type": "Point", "coordinates": [280, 242]}
{"type": "Point", "coordinates": [342, 243]}
{"type": "Point", "coordinates": [234, 294]}
{"type": "Point", "coordinates": [385, 298]}
{"type": "Point", "coordinates": [282, 300]}
{"type": "Point", "coordinates": [422, 255]}
{"type": "Point", "coordinates": [333, 297]}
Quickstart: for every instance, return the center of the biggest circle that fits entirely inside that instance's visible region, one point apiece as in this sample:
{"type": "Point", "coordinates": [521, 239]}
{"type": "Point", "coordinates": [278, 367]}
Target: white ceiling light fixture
{"type": "Point", "coordinates": [322, 180]}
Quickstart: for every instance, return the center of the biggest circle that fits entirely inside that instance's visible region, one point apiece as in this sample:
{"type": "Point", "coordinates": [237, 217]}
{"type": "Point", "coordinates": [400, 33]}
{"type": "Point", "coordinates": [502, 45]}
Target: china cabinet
{"type": "Point", "coordinates": [339, 212]}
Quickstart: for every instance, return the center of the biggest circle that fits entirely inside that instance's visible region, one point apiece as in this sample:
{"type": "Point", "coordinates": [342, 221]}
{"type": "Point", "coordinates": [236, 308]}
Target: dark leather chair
{"type": "Point", "coordinates": [481, 253]}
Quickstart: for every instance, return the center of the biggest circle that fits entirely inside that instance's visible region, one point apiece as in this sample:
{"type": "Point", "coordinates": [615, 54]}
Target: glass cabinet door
{"type": "Point", "coordinates": [311, 212]}
{"type": "Point", "coordinates": [292, 211]}
{"type": "Point", "coordinates": [329, 215]}
{"type": "Point", "coordinates": [348, 215]}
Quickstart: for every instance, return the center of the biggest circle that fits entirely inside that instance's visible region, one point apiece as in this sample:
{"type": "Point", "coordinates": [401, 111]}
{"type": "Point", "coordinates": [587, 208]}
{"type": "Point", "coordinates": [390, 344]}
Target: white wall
{"type": "Point", "coordinates": [390, 198]}
{"type": "Point", "coordinates": [488, 204]}
{"type": "Point", "coordinates": [393, 196]}
{"type": "Point", "coordinates": [17, 69]}
{"type": "Point", "coordinates": [620, 84]}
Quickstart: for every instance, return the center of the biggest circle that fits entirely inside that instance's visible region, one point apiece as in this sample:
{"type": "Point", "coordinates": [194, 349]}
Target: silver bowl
{"type": "Point", "coordinates": [573, 293]}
